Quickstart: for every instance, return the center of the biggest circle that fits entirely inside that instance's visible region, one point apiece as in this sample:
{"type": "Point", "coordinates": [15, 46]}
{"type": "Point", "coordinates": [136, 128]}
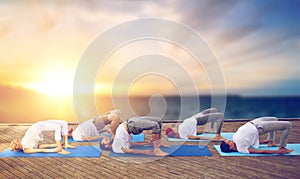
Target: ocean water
{"type": "Point", "coordinates": [236, 107]}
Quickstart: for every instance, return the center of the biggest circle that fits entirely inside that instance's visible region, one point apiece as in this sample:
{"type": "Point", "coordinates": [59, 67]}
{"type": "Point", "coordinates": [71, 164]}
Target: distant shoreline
{"type": "Point", "coordinates": [164, 121]}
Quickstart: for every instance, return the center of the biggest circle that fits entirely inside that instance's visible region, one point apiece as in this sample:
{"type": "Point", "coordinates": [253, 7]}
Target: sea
{"type": "Point", "coordinates": [29, 107]}
{"type": "Point", "coordinates": [233, 106]}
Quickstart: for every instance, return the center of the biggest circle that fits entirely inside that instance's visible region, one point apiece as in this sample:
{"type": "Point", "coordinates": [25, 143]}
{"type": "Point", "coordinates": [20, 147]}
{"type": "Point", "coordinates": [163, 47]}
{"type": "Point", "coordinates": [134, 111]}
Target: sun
{"type": "Point", "coordinates": [56, 83]}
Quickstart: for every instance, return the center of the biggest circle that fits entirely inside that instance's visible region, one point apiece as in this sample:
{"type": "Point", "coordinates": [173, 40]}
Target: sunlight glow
{"type": "Point", "coordinates": [58, 83]}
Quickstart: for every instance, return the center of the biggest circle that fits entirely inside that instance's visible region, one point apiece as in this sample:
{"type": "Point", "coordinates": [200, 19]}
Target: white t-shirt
{"type": "Point", "coordinates": [246, 136]}
{"type": "Point", "coordinates": [35, 133]}
{"type": "Point", "coordinates": [121, 140]}
{"type": "Point", "coordinates": [31, 138]}
{"type": "Point", "coordinates": [87, 129]}
{"type": "Point", "coordinates": [188, 128]}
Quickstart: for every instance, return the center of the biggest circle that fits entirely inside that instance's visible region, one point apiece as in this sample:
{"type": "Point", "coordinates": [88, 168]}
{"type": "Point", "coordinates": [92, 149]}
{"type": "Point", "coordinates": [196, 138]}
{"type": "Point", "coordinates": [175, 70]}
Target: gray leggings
{"type": "Point", "coordinates": [137, 125]}
{"type": "Point", "coordinates": [270, 125]}
{"type": "Point", "coordinates": [211, 115]}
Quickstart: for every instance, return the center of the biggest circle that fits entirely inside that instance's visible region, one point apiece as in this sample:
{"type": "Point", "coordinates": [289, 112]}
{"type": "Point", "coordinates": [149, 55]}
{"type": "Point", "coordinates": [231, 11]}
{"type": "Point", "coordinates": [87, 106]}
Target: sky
{"type": "Point", "coordinates": [256, 43]}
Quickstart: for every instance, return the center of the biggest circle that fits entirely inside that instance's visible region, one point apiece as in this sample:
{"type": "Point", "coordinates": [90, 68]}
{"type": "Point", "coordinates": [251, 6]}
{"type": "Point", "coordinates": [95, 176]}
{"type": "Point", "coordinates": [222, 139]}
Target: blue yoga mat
{"type": "Point", "coordinates": [173, 150]}
{"type": "Point", "coordinates": [79, 151]}
{"type": "Point", "coordinates": [296, 151]}
{"type": "Point", "coordinates": [70, 139]}
{"type": "Point", "coordinates": [135, 138]}
{"type": "Point", "coordinates": [227, 135]}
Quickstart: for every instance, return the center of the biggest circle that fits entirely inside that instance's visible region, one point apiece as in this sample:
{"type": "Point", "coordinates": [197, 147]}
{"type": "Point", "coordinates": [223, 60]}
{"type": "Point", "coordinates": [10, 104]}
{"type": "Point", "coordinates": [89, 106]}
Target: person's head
{"type": "Point", "coordinates": [228, 146]}
{"type": "Point", "coordinates": [171, 133]}
{"type": "Point", "coordinates": [106, 143]}
{"type": "Point", "coordinates": [15, 145]}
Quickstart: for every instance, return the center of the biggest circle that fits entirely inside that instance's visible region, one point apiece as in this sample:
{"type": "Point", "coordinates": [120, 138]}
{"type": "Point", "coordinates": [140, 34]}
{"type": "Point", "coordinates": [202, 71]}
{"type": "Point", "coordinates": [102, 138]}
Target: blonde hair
{"type": "Point", "coordinates": [13, 146]}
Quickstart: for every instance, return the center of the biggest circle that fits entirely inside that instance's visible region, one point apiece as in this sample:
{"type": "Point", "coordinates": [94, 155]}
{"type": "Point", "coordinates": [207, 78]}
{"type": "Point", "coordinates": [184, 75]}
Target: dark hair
{"type": "Point", "coordinates": [225, 147]}
{"type": "Point", "coordinates": [103, 146]}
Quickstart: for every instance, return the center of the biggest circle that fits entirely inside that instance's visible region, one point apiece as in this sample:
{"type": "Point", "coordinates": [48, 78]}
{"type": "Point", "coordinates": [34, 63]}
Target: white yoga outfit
{"type": "Point", "coordinates": [87, 129]}
{"type": "Point", "coordinates": [246, 136]}
{"type": "Point", "coordinates": [188, 128]}
{"type": "Point", "coordinates": [121, 140]}
{"type": "Point", "coordinates": [35, 133]}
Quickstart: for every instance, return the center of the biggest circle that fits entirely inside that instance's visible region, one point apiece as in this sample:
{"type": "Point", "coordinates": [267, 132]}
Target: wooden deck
{"type": "Point", "coordinates": [168, 167]}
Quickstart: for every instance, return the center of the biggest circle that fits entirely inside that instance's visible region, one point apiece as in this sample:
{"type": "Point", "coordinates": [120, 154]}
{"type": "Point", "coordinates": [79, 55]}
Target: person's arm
{"type": "Point", "coordinates": [32, 150]}
{"type": "Point", "coordinates": [93, 137]}
{"type": "Point", "coordinates": [140, 143]}
{"type": "Point", "coordinates": [39, 150]}
{"type": "Point", "coordinates": [279, 151]}
{"type": "Point", "coordinates": [198, 137]}
{"type": "Point", "coordinates": [134, 151]}
{"type": "Point", "coordinates": [44, 146]}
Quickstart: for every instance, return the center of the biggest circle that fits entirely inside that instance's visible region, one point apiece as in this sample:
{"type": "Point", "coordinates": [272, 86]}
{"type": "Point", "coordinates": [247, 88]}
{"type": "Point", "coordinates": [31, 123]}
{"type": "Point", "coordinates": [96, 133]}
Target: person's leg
{"type": "Point", "coordinates": [208, 111]}
{"type": "Point", "coordinates": [272, 126]}
{"type": "Point", "coordinates": [138, 124]}
{"type": "Point", "coordinates": [264, 119]}
{"type": "Point", "coordinates": [213, 117]}
{"type": "Point", "coordinates": [61, 130]}
{"type": "Point", "coordinates": [258, 124]}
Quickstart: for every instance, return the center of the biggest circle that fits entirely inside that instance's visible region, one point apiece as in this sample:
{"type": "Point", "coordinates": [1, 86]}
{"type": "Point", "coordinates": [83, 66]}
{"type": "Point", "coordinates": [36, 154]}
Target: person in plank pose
{"type": "Point", "coordinates": [136, 125]}
{"type": "Point", "coordinates": [246, 138]}
{"type": "Point", "coordinates": [30, 142]}
{"type": "Point", "coordinates": [91, 129]}
{"type": "Point", "coordinates": [188, 128]}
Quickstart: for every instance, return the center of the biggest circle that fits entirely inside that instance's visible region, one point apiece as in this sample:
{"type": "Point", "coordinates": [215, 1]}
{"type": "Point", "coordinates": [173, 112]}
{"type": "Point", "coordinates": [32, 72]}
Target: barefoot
{"type": "Point", "coordinates": [164, 145]}
{"type": "Point", "coordinates": [64, 152]}
{"type": "Point", "coordinates": [69, 146]}
{"type": "Point", "coordinates": [160, 153]}
{"type": "Point", "coordinates": [273, 144]}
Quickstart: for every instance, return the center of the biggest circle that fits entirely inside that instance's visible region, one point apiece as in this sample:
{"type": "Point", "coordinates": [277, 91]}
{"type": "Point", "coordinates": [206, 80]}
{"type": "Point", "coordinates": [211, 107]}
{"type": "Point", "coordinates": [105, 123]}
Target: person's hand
{"type": "Point", "coordinates": [64, 152]}
{"type": "Point", "coordinates": [283, 150]}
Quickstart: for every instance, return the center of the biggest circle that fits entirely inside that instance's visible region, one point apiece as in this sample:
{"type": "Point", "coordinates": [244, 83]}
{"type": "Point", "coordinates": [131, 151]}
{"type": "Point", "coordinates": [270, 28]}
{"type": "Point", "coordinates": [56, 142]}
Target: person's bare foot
{"type": "Point", "coordinates": [69, 146]}
{"type": "Point", "coordinates": [64, 152]}
{"type": "Point", "coordinates": [160, 153]}
{"type": "Point", "coordinates": [273, 144]}
{"type": "Point", "coordinates": [163, 144]}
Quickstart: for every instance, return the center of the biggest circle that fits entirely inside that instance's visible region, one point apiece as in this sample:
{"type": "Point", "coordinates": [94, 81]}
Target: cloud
{"type": "Point", "coordinates": [203, 14]}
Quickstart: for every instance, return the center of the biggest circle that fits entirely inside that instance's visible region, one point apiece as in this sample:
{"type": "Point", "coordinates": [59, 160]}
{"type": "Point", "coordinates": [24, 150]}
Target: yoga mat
{"type": "Point", "coordinates": [296, 151]}
{"type": "Point", "coordinates": [227, 135]}
{"type": "Point", "coordinates": [173, 150]}
{"type": "Point", "coordinates": [79, 151]}
{"type": "Point", "coordinates": [135, 138]}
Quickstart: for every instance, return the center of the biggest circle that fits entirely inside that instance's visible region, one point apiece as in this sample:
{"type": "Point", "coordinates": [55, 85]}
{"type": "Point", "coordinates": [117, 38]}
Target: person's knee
{"type": "Point", "coordinates": [156, 129]}
{"type": "Point", "coordinates": [289, 125]}
{"type": "Point", "coordinates": [220, 115]}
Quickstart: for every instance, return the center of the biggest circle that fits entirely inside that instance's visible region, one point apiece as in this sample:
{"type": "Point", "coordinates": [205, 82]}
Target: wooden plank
{"type": "Point", "coordinates": [169, 167]}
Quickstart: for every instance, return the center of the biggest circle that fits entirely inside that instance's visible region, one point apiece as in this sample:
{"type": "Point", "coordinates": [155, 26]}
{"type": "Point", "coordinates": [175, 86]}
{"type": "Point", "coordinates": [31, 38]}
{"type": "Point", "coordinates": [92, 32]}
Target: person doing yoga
{"type": "Point", "coordinates": [30, 141]}
{"type": "Point", "coordinates": [246, 138]}
{"type": "Point", "coordinates": [188, 128]}
{"type": "Point", "coordinates": [136, 125]}
{"type": "Point", "coordinates": [91, 129]}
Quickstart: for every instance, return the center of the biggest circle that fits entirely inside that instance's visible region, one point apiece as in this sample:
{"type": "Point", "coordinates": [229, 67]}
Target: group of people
{"type": "Point", "coordinates": [245, 140]}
